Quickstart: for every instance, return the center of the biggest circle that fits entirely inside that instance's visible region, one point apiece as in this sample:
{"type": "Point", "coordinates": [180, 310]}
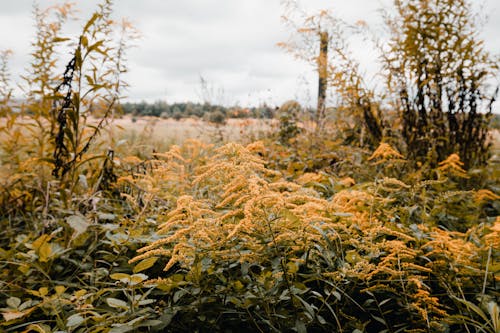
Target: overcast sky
{"type": "Point", "coordinates": [230, 43]}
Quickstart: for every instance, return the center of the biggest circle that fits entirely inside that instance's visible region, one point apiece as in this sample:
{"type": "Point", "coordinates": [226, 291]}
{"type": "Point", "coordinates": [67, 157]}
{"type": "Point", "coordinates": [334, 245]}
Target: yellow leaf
{"type": "Point", "coordinates": [352, 257]}
{"type": "Point", "coordinates": [145, 264]}
{"type": "Point", "coordinates": [238, 285]}
{"type": "Point", "coordinates": [44, 252]}
{"type": "Point", "coordinates": [43, 291]}
{"type": "Point", "coordinates": [40, 328]}
{"type": "Point", "coordinates": [137, 278]}
{"type": "Point", "coordinates": [80, 293]}
{"type": "Point", "coordinates": [494, 267]}
{"type": "Point", "coordinates": [291, 217]}
{"type": "Point", "coordinates": [24, 268]}
{"type": "Point", "coordinates": [40, 241]}
{"type": "Point", "coordinates": [292, 267]}
{"type": "Point", "coordinates": [177, 277]}
{"type": "Point", "coordinates": [165, 286]}
{"type": "Point", "coordinates": [60, 289]}
{"type": "Point", "coordinates": [119, 276]}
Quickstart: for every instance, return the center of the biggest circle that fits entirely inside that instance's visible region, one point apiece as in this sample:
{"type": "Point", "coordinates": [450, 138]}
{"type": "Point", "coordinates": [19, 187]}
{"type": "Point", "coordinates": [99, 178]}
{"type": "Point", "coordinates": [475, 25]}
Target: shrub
{"type": "Point", "coordinates": [217, 117]}
{"type": "Point", "coordinates": [288, 115]}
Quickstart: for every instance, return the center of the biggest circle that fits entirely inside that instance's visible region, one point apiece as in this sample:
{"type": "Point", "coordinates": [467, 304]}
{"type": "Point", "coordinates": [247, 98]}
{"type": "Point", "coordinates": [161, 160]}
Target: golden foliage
{"type": "Point", "coordinates": [483, 195]}
{"type": "Point", "coordinates": [235, 209]}
{"type": "Point", "coordinates": [453, 166]}
{"type": "Point", "coordinates": [250, 209]}
{"type": "Point", "coordinates": [493, 237]}
{"type": "Point", "coordinates": [384, 153]}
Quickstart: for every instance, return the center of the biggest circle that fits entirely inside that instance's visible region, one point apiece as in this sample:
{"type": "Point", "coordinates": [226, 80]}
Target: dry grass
{"type": "Point", "coordinates": [177, 131]}
{"type": "Point", "coordinates": [159, 134]}
{"type": "Point", "coordinates": [145, 134]}
{"type": "Point", "coordinates": [160, 131]}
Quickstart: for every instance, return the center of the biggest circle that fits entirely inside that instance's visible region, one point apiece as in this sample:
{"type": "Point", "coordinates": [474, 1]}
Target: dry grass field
{"type": "Point", "coordinates": [161, 133]}
{"type": "Point", "coordinates": [144, 132]}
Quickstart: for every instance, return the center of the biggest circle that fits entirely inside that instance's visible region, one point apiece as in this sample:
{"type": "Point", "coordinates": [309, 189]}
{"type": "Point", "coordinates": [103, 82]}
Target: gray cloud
{"type": "Point", "coordinates": [230, 43]}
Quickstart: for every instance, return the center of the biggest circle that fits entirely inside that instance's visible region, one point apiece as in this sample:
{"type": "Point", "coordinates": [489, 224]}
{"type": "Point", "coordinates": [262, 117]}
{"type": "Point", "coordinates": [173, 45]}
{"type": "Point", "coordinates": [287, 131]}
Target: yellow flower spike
{"type": "Point", "coordinates": [384, 153]}
{"type": "Point", "coordinates": [453, 165]}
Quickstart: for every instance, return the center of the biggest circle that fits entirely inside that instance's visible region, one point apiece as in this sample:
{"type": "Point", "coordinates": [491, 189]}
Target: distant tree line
{"type": "Point", "coordinates": [216, 113]}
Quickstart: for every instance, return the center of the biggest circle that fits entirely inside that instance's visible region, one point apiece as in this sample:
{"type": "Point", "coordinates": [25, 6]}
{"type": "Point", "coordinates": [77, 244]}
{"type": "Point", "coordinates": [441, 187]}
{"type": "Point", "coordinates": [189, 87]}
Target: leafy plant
{"type": "Point", "coordinates": [438, 71]}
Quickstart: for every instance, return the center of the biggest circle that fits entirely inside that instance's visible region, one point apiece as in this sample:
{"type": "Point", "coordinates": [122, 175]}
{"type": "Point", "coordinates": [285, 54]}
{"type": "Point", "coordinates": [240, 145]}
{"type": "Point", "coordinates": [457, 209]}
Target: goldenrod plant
{"type": "Point", "coordinates": [59, 110]}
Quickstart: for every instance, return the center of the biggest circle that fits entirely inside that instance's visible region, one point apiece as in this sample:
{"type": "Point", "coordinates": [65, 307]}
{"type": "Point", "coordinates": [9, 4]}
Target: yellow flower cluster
{"type": "Point", "coordinates": [249, 208]}
{"type": "Point", "coordinates": [453, 166]}
{"type": "Point", "coordinates": [236, 209]}
{"type": "Point", "coordinates": [385, 153]}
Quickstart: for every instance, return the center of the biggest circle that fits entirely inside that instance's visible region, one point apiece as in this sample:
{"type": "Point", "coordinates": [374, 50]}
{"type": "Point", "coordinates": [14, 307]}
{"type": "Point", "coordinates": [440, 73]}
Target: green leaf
{"type": "Point", "coordinates": [494, 312]}
{"type": "Point", "coordinates": [78, 223]}
{"type": "Point", "coordinates": [380, 320]}
{"type": "Point", "coordinates": [106, 216]}
{"type": "Point", "coordinates": [352, 257]}
{"type": "Point", "coordinates": [116, 303]}
{"type": "Point", "coordinates": [291, 217]}
{"type": "Point", "coordinates": [300, 326]}
{"type": "Point", "coordinates": [472, 307]}
{"type": "Point", "coordinates": [137, 278]}
{"type": "Point", "coordinates": [151, 323]}
{"type": "Point", "coordinates": [308, 307]}
{"type": "Point", "coordinates": [292, 267]}
{"type": "Point", "coordinates": [145, 264]}
{"type": "Point", "coordinates": [13, 302]}
{"type": "Point", "coordinates": [121, 329]}
{"type": "Point", "coordinates": [75, 320]}
{"type": "Point", "coordinates": [337, 295]}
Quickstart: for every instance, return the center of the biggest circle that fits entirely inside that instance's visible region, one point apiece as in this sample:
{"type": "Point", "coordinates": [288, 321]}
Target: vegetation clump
{"type": "Point", "coordinates": [319, 226]}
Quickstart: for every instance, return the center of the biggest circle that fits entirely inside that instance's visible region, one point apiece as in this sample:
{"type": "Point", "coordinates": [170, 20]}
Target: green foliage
{"type": "Point", "coordinates": [217, 117]}
{"type": "Point", "coordinates": [191, 110]}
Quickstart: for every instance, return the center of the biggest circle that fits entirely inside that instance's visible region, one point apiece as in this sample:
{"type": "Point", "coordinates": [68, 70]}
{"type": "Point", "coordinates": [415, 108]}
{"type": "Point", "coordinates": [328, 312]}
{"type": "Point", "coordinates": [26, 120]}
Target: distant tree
{"type": "Point", "coordinates": [177, 114]}
{"type": "Point", "coordinates": [217, 117]}
{"type": "Point", "coordinates": [321, 40]}
{"type": "Point", "coordinates": [288, 116]}
{"type": "Point", "coordinates": [313, 39]}
{"type": "Point", "coordinates": [438, 69]}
